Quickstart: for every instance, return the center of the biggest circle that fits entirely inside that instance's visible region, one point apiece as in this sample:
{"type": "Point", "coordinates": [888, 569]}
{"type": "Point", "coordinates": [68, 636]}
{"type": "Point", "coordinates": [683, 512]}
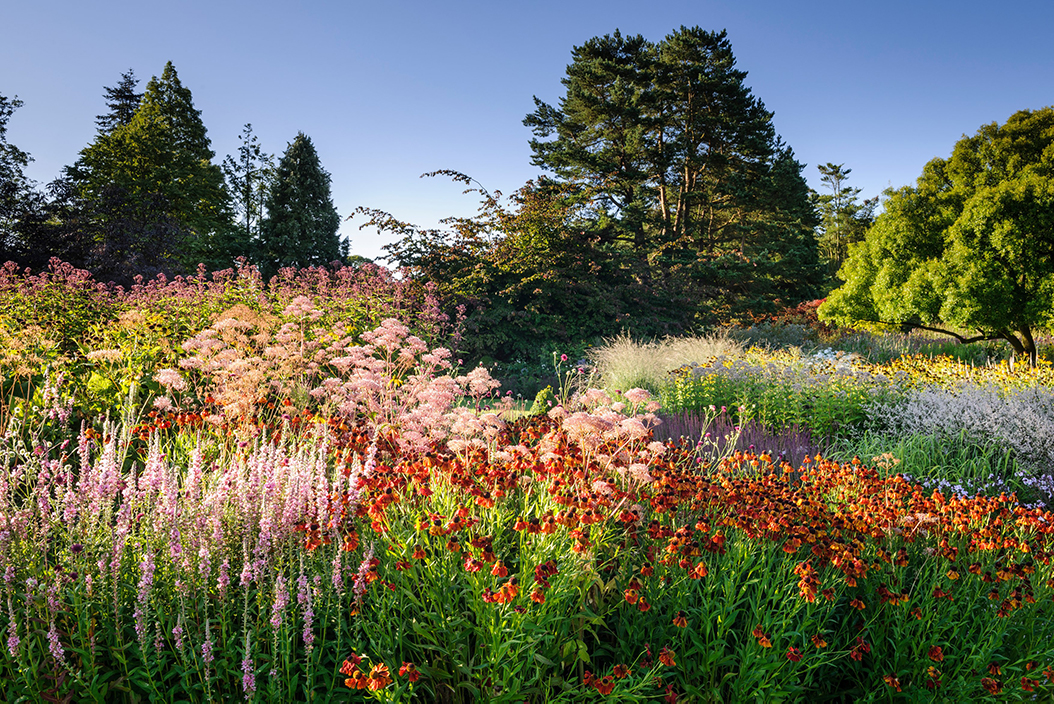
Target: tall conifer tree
{"type": "Point", "coordinates": [14, 186]}
{"type": "Point", "coordinates": [683, 165]}
{"type": "Point", "coordinates": [156, 171]}
{"type": "Point", "coordinates": [249, 178]}
{"type": "Point", "coordinates": [301, 225]}
{"type": "Point", "coordinates": [123, 101]}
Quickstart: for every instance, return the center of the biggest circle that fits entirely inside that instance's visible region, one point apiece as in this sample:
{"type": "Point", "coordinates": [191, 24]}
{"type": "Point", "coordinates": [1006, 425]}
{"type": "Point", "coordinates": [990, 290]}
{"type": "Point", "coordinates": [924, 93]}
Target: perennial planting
{"type": "Point", "coordinates": [297, 500]}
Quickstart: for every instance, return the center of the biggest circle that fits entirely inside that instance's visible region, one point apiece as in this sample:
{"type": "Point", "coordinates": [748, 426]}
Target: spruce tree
{"type": "Point", "coordinates": [300, 229]}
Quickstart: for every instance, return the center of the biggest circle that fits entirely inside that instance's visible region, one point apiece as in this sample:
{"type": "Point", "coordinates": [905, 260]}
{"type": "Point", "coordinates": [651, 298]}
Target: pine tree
{"type": "Point", "coordinates": [301, 225]}
{"type": "Point", "coordinates": [843, 219]}
{"type": "Point", "coordinates": [682, 162]}
{"type": "Point", "coordinates": [249, 178]}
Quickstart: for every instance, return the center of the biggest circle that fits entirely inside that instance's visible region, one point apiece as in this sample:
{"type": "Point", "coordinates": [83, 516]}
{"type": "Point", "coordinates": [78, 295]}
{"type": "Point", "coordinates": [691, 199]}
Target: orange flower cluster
{"type": "Point", "coordinates": [844, 523]}
{"type": "Point", "coordinates": [606, 685]}
{"type": "Point", "coordinates": [763, 640]}
{"type": "Point", "coordinates": [377, 678]}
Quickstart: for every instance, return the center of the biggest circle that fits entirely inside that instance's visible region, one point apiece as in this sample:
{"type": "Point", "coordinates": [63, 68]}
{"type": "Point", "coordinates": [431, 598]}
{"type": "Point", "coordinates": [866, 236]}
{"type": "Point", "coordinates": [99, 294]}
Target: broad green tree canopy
{"type": "Point", "coordinates": [969, 247]}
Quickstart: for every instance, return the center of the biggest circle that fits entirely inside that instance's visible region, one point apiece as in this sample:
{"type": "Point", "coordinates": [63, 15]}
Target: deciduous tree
{"type": "Point", "coordinates": [969, 250]}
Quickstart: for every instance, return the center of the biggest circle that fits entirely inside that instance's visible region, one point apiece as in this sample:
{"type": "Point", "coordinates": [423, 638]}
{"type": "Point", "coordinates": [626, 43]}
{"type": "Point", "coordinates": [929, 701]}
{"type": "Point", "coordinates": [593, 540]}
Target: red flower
{"type": "Point", "coordinates": [793, 654]}
{"type": "Point", "coordinates": [994, 670]}
{"type": "Point", "coordinates": [936, 654]}
{"type": "Point", "coordinates": [538, 596]}
{"type": "Point", "coordinates": [643, 604]}
{"type": "Point", "coordinates": [666, 657]}
{"type": "Point", "coordinates": [379, 677]}
{"type": "Point", "coordinates": [892, 681]}
{"type": "Point", "coordinates": [857, 604]}
{"type": "Point", "coordinates": [409, 670]}
{"type": "Point", "coordinates": [671, 696]}
{"type": "Point", "coordinates": [1028, 684]}
{"type": "Point", "coordinates": [621, 671]}
{"type": "Point", "coordinates": [818, 641]}
{"type": "Point", "coordinates": [499, 570]}
{"type": "Point", "coordinates": [991, 686]}
{"type": "Point", "coordinates": [763, 640]}
{"type": "Point", "coordinates": [349, 665]}
{"type": "Point", "coordinates": [357, 680]}
{"type": "Point", "coordinates": [606, 685]}
{"type": "Point", "coordinates": [680, 621]}
{"type": "Point", "coordinates": [939, 593]}
{"type": "Point", "coordinates": [860, 649]}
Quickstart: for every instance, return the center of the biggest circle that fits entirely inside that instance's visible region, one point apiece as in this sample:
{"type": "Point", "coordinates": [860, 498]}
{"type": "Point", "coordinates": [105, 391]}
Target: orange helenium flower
{"type": "Point", "coordinates": [379, 677]}
{"type": "Point", "coordinates": [409, 670]}
{"type": "Point", "coordinates": [991, 686]}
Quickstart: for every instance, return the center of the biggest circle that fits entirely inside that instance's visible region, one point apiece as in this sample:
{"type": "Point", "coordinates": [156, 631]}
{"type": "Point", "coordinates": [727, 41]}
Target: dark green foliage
{"type": "Point", "coordinates": [249, 178]}
{"type": "Point", "coordinates": [681, 167]}
{"type": "Point", "coordinates": [674, 204]}
{"type": "Point", "coordinates": [155, 172]}
{"type": "Point", "coordinates": [534, 275]}
{"type": "Point", "coordinates": [970, 247]}
{"type": "Point", "coordinates": [123, 101]}
{"type": "Point", "coordinates": [14, 186]}
{"type": "Point", "coordinates": [844, 221]}
{"type": "Point", "coordinates": [301, 225]}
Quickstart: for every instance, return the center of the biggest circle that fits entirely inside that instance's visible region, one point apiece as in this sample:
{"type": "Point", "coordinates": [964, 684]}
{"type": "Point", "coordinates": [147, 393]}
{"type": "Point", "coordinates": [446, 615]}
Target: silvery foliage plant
{"type": "Point", "coordinates": [1019, 420]}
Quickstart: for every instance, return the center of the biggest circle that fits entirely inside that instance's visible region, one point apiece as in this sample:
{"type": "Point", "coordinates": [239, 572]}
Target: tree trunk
{"type": "Point", "coordinates": [1029, 346]}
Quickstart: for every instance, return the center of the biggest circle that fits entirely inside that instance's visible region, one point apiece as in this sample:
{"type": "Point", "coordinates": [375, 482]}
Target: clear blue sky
{"type": "Point", "coordinates": [390, 89]}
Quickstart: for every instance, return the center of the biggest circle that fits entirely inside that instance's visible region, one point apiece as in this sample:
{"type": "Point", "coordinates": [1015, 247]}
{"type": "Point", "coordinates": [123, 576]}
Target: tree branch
{"type": "Point", "coordinates": [908, 327]}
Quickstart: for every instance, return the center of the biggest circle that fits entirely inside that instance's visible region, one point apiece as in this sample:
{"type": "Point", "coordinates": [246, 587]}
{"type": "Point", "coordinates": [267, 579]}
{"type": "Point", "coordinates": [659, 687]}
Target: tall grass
{"type": "Point", "coordinates": [625, 363]}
